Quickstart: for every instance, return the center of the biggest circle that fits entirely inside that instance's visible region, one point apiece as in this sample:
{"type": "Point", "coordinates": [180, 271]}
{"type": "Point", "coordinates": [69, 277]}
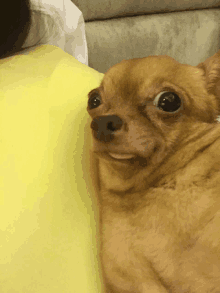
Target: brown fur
{"type": "Point", "coordinates": [160, 211]}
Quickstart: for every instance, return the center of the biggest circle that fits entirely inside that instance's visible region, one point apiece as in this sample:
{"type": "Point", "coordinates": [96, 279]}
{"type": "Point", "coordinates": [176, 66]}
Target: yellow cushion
{"type": "Point", "coordinates": [48, 213]}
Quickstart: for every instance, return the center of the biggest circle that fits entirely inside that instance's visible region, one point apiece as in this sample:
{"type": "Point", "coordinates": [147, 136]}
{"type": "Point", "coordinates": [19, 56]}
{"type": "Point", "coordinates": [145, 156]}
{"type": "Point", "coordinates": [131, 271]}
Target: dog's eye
{"type": "Point", "coordinates": [94, 100]}
{"type": "Point", "coordinates": [167, 101]}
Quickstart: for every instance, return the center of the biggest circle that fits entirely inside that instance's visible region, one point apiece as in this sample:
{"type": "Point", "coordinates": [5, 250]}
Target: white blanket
{"type": "Point", "coordinates": [59, 23]}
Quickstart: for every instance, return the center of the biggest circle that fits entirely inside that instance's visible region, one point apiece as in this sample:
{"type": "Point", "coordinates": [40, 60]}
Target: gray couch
{"type": "Point", "coordinates": [188, 31]}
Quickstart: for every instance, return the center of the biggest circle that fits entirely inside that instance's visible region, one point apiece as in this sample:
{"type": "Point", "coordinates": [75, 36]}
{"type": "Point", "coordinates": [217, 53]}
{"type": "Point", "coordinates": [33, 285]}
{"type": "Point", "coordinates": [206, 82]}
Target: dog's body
{"type": "Point", "coordinates": [158, 142]}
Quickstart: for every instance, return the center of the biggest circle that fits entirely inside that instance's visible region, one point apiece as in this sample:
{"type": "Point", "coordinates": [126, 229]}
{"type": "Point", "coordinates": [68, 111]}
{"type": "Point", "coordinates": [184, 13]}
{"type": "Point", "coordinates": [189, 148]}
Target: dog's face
{"type": "Point", "coordinates": [146, 108]}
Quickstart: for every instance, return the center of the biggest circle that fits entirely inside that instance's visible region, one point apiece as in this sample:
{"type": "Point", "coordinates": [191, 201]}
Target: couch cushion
{"type": "Point", "coordinates": [97, 9]}
{"type": "Point", "coordinates": [189, 37]}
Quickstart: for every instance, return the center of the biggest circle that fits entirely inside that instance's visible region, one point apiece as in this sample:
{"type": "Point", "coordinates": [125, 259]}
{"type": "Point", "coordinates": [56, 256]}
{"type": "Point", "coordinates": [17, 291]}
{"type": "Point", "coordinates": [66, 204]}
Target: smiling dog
{"type": "Point", "coordinates": [157, 140]}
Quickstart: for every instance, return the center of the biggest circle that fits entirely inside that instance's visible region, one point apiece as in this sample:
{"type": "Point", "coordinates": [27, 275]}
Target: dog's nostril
{"type": "Point", "coordinates": [114, 124]}
{"type": "Point", "coordinates": [111, 126]}
{"type": "Point", "coordinates": [94, 125]}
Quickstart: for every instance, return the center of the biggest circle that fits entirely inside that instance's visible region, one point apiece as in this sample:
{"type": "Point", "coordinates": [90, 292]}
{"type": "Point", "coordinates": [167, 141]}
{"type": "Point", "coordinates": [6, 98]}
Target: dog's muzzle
{"type": "Point", "coordinates": [105, 127]}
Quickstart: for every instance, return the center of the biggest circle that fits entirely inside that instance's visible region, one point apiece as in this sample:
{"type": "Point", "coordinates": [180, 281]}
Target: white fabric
{"type": "Point", "coordinates": [59, 23]}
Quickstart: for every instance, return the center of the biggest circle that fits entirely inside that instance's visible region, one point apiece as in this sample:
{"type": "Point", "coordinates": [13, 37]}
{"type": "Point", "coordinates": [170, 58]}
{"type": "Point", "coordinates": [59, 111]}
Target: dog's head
{"type": "Point", "coordinates": [144, 109]}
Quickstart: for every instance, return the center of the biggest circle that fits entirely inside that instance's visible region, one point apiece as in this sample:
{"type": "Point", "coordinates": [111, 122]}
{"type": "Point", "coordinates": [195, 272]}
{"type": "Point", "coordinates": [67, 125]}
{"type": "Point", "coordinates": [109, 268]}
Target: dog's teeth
{"type": "Point", "coordinates": [121, 156]}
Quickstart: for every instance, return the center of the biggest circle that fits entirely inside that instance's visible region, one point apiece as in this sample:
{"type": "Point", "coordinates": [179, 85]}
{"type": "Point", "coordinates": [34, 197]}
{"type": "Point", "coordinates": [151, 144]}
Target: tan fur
{"type": "Point", "coordinates": [160, 214]}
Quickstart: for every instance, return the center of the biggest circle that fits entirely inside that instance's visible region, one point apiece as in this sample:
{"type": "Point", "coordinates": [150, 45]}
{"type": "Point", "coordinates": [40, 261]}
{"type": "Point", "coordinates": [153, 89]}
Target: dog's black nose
{"type": "Point", "coordinates": [105, 126]}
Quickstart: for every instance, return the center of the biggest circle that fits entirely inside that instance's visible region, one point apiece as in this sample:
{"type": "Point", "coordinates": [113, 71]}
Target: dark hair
{"type": "Point", "coordinates": [15, 24]}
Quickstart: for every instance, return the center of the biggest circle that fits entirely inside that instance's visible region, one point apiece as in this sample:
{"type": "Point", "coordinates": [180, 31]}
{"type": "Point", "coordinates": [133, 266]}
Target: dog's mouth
{"type": "Point", "coordinates": [125, 159]}
{"type": "Point", "coordinates": [121, 156]}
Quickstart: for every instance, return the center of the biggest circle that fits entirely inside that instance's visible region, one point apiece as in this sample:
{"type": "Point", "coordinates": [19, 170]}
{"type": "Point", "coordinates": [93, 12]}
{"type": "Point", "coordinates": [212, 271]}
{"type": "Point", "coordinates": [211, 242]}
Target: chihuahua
{"type": "Point", "coordinates": [157, 142]}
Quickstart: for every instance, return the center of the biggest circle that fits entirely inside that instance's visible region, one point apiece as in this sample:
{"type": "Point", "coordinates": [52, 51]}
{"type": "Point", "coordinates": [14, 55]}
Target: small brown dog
{"type": "Point", "coordinates": [157, 140]}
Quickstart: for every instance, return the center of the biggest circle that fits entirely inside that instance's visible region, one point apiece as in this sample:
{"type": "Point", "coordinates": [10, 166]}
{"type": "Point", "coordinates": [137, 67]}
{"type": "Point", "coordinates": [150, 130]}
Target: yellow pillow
{"type": "Point", "coordinates": [48, 214]}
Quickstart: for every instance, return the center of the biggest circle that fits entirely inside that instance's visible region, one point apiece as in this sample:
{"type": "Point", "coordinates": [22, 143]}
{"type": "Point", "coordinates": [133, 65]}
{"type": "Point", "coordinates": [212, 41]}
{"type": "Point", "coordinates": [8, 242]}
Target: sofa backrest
{"type": "Point", "coordinates": [122, 29]}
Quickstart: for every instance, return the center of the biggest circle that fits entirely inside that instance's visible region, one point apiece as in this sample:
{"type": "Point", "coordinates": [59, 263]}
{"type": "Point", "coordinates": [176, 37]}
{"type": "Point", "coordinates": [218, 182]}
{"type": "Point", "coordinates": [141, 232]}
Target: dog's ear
{"type": "Point", "coordinates": [211, 68]}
